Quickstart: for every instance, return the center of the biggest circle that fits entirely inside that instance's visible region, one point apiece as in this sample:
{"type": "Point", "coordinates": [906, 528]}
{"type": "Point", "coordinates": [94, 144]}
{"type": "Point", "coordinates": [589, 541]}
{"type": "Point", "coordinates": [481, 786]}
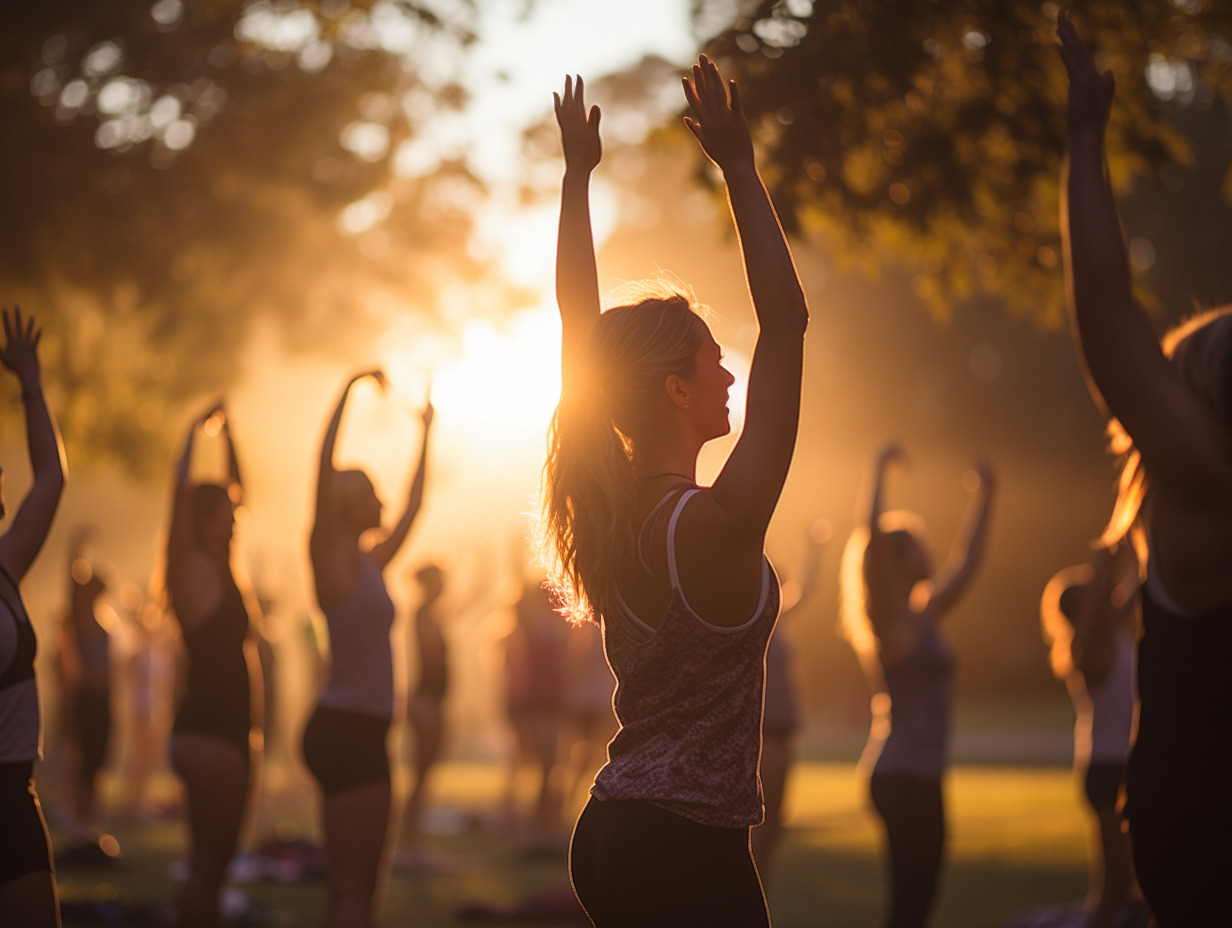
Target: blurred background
{"type": "Point", "coordinates": [254, 199]}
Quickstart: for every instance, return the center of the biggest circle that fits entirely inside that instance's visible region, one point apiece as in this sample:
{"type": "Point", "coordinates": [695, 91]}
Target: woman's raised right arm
{"type": "Point", "coordinates": [180, 535]}
{"type": "Point", "coordinates": [21, 543]}
{"type": "Point", "coordinates": [887, 454]}
{"type": "Point", "coordinates": [1127, 372]}
{"type": "Point", "coordinates": [577, 276]}
{"type": "Point", "coordinates": [325, 466]}
{"type": "Point", "coordinates": [749, 486]}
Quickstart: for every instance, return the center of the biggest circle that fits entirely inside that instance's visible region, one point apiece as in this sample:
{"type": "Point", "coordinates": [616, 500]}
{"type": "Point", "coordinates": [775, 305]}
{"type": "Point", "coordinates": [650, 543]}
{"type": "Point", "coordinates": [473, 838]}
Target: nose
{"type": "Point", "coordinates": [729, 377]}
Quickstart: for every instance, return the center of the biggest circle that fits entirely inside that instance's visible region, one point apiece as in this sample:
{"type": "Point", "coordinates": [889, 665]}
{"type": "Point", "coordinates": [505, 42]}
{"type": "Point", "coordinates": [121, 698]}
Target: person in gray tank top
{"type": "Point", "coordinates": [344, 740]}
{"type": "Point", "coordinates": [892, 604]}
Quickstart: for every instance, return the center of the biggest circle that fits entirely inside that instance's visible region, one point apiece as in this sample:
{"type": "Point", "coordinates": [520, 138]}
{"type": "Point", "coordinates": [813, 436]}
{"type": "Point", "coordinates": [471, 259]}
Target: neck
{"type": "Point", "coordinates": [677, 458]}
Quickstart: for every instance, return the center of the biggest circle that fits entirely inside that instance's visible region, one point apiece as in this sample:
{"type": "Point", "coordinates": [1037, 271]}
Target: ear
{"type": "Point", "coordinates": [677, 391]}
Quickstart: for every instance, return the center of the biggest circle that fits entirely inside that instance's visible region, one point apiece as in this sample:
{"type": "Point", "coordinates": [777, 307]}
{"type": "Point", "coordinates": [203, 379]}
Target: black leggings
{"type": "Point", "coordinates": [25, 847]}
{"type": "Point", "coordinates": [914, 816]}
{"type": "Point", "coordinates": [634, 865]}
{"type": "Point", "coordinates": [1181, 860]}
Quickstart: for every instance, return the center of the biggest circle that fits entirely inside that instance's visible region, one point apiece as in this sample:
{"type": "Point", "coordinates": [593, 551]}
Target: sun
{"type": "Point", "coordinates": [490, 382]}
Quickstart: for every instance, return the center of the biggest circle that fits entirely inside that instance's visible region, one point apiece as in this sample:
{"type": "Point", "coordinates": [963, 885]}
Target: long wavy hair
{"type": "Point", "coordinates": [589, 495]}
{"type": "Point", "coordinates": [1200, 350]}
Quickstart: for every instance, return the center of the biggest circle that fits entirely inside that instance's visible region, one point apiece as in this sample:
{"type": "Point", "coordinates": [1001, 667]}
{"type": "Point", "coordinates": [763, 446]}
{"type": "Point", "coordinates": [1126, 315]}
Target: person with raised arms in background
{"type": "Point", "coordinates": [213, 737]}
{"type": "Point", "coordinates": [1171, 410]}
{"type": "Point", "coordinates": [892, 605]}
{"type": "Point", "coordinates": [28, 893]}
{"type": "Point", "coordinates": [344, 740]}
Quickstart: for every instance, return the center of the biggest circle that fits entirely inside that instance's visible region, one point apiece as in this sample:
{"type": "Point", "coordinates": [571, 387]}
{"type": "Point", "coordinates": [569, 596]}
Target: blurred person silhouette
{"type": "Point", "coordinates": [589, 722]}
{"type": "Point", "coordinates": [1088, 614]}
{"type": "Point", "coordinates": [213, 737]}
{"type": "Point", "coordinates": [1171, 406]}
{"type": "Point", "coordinates": [148, 692]}
{"type": "Point", "coordinates": [675, 573]}
{"type": "Point", "coordinates": [84, 660]}
{"type": "Point", "coordinates": [344, 740]}
{"type": "Point", "coordinates": [535, 705]}
{"type": "Point", "coordinates": [28, 895]}
{"type": "Point", "coordinates": [781, 715]}
{"type": "Point", "coordinates": [892, 606]}
{"type": "Point", "coordinates": [425, 709]}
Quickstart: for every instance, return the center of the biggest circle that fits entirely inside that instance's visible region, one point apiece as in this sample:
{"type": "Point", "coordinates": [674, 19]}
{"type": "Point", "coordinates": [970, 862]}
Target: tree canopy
{"type": "Point", "coordinates": [934, 130]}
{"type": "Point", "coordinates": [175, 172]}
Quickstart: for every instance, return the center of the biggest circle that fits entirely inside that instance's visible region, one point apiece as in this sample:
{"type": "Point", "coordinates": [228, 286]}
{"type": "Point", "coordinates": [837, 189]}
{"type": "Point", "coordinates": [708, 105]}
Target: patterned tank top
{"type": "Point", "coordinates": [689, 701]}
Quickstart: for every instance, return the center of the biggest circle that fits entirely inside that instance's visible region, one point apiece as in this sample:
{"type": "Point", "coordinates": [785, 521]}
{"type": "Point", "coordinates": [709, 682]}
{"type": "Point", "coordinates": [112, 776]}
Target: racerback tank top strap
{"type": "Point", "coordinates": [648, 521]}
{"type": "Point", "coordinates": [672, 573]}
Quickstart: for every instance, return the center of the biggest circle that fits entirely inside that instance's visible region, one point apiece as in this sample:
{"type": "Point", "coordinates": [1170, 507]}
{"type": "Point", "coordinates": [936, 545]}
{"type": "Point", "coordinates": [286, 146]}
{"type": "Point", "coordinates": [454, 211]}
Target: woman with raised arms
{"type": "Point", "coordinates": [674, 573]}
{"type": "Point", "coordinates": [1172, 406]}
{"type": "Point", "coordinates": [893, 601]}
{"type": "Point", "coordinates": [211, 743]}
{"type": "Point", "coordinates": [344, 741]}
{"type": "Point", "coordinates": [28, 893]}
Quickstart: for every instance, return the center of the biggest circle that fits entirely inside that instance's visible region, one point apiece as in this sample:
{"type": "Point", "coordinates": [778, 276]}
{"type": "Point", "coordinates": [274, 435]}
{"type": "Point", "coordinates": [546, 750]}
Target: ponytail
{"type": "Point", "coordinates": [589, 495]}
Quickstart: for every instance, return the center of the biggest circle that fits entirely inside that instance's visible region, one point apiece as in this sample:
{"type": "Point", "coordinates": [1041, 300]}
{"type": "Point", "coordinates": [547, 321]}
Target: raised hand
{"type": "Point", "coordinates": [986, 473]}
{"type": "Point", "coordinates": [376, 374]}
{"type": "Point", "coordinates": [1090, 90]}
{"type": "Point", "coordinates": [20, 351]}
{"type": "Point", "coordinates": [719, 124]}
{"type": "Point", "coordinates": [892, 453]}
{"type": "Point", "coordinates": [214, 420]}
{"type": "Point", "coordinates": [579, 130]}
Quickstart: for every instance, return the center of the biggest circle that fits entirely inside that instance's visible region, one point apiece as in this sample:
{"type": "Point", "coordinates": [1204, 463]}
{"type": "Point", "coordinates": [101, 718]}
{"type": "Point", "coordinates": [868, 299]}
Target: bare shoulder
{"type": "Point", "coordinates": [720, 567]}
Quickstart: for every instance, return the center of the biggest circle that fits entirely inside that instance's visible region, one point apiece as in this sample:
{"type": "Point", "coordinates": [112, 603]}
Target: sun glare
{"type": "Point", "coordinates": [491, 382]}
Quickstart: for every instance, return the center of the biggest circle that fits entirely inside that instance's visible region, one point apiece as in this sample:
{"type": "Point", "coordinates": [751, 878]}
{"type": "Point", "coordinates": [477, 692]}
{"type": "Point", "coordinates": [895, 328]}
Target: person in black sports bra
{"type": "Point", "coordinates": [28, 895]}
{"type": "Point", "coordinates": [210, 745]}
{"type": "Point", "coordinates": [1172, 405]}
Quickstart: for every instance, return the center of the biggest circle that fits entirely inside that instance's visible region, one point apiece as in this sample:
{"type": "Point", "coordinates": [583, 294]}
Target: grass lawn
{"type": "Point", "coordinates": [1017, 841]}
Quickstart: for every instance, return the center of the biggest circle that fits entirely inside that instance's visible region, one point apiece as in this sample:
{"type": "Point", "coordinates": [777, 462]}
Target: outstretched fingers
{"type": "Point", "coordinates": [734, 91]}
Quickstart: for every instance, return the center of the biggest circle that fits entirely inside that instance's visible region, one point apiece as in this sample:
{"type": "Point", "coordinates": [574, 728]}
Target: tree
{"type": "Point", "coordinates": [172, 174]}
{"type": "Point", "coordinates": [933, 130]}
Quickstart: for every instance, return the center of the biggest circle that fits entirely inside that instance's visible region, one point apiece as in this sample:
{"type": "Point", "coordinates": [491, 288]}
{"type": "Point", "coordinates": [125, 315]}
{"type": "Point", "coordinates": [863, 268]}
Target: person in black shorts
{"type": "Point", "coordinates": [344, 740]}
{"type": "Point", "coordinates": [213, 732]}
{"type": "Point", "coordinates": [28, 894]}
{"type": "Point", "coordinates": [1172, 409]}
